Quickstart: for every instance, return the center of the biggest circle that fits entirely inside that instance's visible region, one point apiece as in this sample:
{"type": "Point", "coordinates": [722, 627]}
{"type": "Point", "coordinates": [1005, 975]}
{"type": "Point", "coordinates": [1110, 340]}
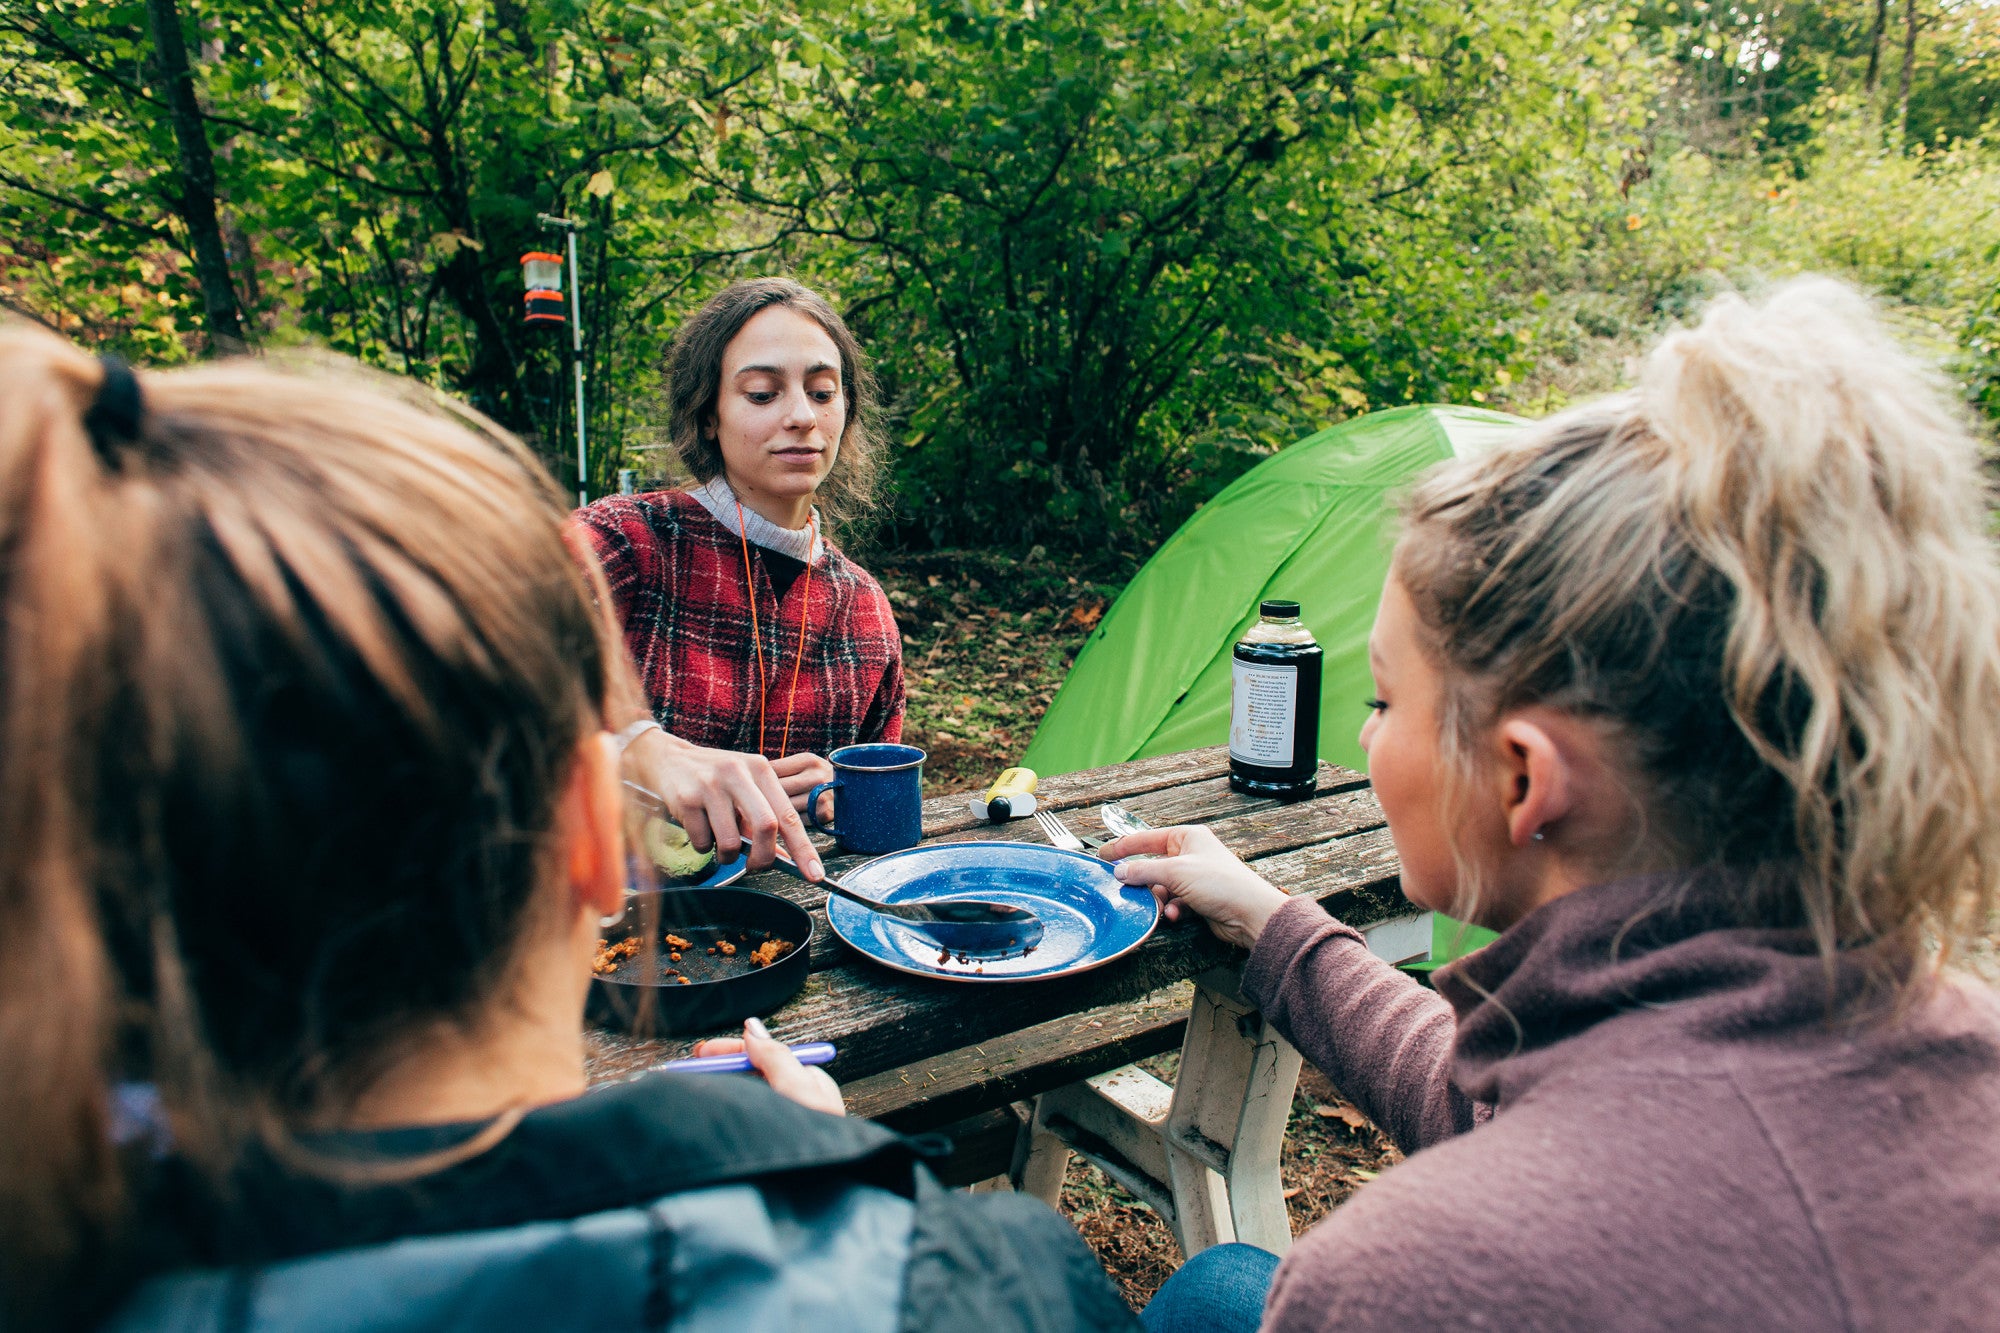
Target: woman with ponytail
{"type": "Point", "coordinates": [1694, 695]}
{"type": "Point", "coordinates": [309, 821]}
{"type": "Point", "coordinates": [62, 1194]}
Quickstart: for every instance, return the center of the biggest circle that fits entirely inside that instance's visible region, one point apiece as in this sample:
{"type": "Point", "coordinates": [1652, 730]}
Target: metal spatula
{"type": "Point", "coordinates": [963, 925]}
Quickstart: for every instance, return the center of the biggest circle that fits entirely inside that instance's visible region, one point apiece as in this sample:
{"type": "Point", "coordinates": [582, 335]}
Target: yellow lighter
{"type": "Point", "coordinates": [1011, 796]}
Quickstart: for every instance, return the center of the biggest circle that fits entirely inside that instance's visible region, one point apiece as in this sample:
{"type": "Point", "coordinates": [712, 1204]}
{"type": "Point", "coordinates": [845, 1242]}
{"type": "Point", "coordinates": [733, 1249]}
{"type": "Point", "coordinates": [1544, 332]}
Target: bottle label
{"type": "Point", "coordinates": [1264, 715]}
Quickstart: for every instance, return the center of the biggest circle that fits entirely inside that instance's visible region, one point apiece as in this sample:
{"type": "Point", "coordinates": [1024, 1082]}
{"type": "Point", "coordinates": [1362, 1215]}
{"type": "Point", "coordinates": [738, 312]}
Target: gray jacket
{"type": "Point", "coordinates": [675, 1201]}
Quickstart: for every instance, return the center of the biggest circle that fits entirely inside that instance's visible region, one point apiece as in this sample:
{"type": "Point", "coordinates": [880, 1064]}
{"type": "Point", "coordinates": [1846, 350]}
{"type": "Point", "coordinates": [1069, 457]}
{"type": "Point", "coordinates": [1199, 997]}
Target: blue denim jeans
{"type": "Point", "coordinates": [1220, 1290]}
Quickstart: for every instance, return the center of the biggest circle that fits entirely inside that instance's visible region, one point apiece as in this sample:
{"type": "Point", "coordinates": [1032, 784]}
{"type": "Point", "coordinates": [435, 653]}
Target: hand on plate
{"type": "Point", "coordinates": [810, 1087]}
{"type": "Point", "coordinates": [725, 799]}
{"type": "Point", "coordinates": [1191, 870]}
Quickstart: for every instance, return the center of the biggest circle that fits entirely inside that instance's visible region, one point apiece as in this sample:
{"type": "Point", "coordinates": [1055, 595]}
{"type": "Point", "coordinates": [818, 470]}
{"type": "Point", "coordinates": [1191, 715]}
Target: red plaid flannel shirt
{"type": "Point", "coordinates": [677, 585]}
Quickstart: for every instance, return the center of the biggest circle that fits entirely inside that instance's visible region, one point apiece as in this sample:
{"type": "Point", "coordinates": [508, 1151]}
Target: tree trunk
{"type": "Point", "coordinates": [197, 178]}
{"type": "Point", "coordinates": [1909, 65]}
{"type": "Point", "coordinates": [1875, 43]}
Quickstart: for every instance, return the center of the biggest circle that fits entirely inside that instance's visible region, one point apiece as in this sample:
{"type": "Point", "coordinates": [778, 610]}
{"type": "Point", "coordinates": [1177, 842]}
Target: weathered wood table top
{"type": "Point", "coordinates": [1334, 847]}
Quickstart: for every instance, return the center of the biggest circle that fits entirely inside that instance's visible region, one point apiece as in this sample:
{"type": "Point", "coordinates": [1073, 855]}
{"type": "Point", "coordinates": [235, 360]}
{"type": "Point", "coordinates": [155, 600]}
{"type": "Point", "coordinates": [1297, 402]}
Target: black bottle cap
{"type": "Point", "coordinates": [1273, 609]}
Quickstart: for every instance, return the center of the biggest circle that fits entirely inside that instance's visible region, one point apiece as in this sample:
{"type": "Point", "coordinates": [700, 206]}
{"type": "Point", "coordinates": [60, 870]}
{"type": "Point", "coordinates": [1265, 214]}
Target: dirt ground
{"type": "Point", "coordinates": [986, 643]}
{"type": "Point", "coordinates": [1331, 1150]}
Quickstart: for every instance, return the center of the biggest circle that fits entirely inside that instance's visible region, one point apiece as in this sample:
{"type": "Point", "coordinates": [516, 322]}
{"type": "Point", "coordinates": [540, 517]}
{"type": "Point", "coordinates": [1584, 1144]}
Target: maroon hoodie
{"type": "Point", "coordinates": [1630, 1112]}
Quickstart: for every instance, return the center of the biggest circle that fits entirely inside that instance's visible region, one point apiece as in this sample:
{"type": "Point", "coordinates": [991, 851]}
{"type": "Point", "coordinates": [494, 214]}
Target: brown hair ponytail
{"type": "Point", "coordinates": [296, 668]}
{"type": "Point", "coordinates": [60, 1195]}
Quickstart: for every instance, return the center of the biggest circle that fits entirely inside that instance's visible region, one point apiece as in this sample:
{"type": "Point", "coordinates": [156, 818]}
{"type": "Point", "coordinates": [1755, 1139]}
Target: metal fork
{"type": "Point", "coordinates": [1058, 833]}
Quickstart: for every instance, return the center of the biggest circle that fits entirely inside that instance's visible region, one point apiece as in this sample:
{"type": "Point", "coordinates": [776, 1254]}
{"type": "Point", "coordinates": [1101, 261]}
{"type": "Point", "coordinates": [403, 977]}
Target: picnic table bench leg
{"type": "Point", "coordinates": [1041, 1159]}
{"type": "Point", "coordinates": [1226, 1131]}
{"type": "Point", "coordinates": [1203, 1152]}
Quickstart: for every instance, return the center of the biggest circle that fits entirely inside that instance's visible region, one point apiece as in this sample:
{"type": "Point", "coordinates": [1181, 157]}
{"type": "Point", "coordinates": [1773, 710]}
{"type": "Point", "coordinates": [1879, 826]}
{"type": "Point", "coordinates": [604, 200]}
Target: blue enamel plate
{"type": "Point", "coordinates": [726, 872]}
{"type": "Point", "coordinates": [1088, 917]}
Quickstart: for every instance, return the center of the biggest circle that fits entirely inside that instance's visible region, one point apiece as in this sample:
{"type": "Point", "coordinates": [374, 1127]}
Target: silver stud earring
{"type": "Point", "coordinates": [1538, 835]}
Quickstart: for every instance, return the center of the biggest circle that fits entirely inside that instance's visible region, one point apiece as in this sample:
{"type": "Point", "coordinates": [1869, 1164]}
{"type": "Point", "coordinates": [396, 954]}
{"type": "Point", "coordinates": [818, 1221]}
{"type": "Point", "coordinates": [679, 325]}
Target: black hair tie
{"type": "Point", "coordinates": [112, 420]}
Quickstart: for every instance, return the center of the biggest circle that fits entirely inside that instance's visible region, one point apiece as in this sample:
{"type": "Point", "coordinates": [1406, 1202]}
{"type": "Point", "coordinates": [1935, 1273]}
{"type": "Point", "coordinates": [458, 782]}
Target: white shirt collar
{"type": "Point", "coordinates": [720, 501]}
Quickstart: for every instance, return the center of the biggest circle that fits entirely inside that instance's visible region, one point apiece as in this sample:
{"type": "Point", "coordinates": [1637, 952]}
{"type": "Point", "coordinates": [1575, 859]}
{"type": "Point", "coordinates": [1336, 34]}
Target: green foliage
{"type": "Point", "coordinates": [1915, 228]}
{"type": "Point", "coordinates": [1107, 253]}
{"type": "Point", "coordinates": [383, 166]}
{"type": "Point", "coordinates": [1755, 76]}
{"type": "Point", "coordinates": [1115, 251]}
{"type": "Point", "coordinates": [1981, 342]}
{"type": "Point", "coordinates": [87, 129]}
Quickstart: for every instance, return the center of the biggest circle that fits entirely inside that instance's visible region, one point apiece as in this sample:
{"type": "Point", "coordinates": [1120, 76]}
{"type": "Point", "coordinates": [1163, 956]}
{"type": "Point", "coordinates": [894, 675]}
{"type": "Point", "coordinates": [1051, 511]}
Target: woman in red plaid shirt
{"type": "Point", "coordinates": [760, 646]}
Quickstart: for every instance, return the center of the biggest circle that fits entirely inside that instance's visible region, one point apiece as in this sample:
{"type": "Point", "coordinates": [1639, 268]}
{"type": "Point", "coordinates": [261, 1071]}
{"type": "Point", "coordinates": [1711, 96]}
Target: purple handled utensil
{"type": "Point", "coordinates": [806, 1053]}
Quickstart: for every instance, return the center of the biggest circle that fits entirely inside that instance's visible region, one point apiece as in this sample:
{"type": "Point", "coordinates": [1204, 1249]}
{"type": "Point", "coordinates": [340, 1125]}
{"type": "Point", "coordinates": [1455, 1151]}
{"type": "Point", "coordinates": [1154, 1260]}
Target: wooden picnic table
{"type": "Point", "coordinates": [919, 1054]}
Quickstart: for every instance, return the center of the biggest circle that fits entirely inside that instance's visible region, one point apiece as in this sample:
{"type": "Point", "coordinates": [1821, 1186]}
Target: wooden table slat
{"type": "Point", "coordinates": [1118, 782]}
{"type": "Point", "coordinates": [1092, 786]}
{"type": "Point", "coordinates": [1367, 858]}
{"type": "Point", "coordinates": [1021, 1064]}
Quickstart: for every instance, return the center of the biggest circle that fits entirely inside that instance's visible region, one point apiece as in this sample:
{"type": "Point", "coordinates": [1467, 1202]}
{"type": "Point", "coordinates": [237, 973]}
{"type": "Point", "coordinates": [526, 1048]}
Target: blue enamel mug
{"type": "Point", "coordinates": [878, 798]}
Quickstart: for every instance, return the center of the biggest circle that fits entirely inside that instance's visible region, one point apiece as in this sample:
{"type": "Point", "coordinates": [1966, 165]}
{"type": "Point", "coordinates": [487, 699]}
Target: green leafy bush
{"type": "Point", "coordinates": [1107, 253]}
{"type": "Point", "coordinates": [1113, 252]}
{"type": "Point", "coordinates": [1913, 227]}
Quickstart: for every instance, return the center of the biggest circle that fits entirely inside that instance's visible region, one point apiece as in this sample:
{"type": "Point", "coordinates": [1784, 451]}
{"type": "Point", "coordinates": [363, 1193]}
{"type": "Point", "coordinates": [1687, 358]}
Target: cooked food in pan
{"type": "Point", "coordinates": [722, 952]}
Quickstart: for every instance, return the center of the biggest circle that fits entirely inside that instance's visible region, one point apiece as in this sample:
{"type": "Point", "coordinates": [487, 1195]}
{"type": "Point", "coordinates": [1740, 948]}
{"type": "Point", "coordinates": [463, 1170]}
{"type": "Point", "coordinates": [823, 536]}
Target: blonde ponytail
{"type": "Point", "coordinates": [1766, 570]}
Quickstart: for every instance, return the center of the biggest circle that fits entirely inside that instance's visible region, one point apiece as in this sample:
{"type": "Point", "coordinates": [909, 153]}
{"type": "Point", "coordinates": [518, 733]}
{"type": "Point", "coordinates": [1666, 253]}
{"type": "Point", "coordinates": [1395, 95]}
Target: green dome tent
{"type": "Point", "coordinates": [1310, 524]}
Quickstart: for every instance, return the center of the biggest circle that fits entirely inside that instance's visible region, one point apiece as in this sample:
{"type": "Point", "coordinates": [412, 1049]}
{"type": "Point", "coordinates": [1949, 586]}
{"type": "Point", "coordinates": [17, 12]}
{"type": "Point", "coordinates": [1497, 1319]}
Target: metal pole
{"type": "Point", "coordinates": [576, 343]}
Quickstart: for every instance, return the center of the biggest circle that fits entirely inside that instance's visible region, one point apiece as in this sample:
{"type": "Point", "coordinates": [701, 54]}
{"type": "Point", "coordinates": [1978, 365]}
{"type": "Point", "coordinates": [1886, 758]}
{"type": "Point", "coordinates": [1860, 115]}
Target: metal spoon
{"type": "Point", "coordinates": [963, 925]}
{"type": "Point", "coordinates": [1122, 823]}
{"type": "Point", "coordinates": [1120, 820]}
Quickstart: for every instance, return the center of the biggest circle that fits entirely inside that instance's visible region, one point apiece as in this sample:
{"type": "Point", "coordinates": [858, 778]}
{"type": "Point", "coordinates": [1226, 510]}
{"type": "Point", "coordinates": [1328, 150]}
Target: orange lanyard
{"type": "Point", "coordinates": [757, 636]}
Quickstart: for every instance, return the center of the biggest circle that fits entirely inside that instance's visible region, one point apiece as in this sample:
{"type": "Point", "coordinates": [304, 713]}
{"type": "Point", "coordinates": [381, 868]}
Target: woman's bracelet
{"type": "Point", "coordinates": [632, 731]}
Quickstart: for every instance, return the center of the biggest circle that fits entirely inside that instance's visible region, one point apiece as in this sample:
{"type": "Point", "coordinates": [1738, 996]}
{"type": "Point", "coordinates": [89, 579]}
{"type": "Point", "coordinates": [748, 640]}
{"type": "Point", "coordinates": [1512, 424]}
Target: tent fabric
{"type": "Point", "coordinates": [1313, 523]}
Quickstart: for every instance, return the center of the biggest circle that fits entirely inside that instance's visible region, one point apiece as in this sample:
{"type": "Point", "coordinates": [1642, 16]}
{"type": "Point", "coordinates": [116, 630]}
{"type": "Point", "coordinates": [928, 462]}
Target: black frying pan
{"type": "Point", "coordinates": [645, 994]}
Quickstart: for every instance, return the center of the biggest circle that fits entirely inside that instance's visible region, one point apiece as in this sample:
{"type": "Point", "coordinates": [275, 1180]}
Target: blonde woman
{"type": "Point", "coordinates": [1695, 695]}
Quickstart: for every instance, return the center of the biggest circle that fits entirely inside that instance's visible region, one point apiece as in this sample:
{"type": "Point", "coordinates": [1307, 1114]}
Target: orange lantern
{"type": "Point", "coordinates": [541, 274]}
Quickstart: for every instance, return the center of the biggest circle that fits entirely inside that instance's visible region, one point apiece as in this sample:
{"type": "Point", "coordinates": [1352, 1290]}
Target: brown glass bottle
{"type": "Point", "coordinates": [1274, 707]}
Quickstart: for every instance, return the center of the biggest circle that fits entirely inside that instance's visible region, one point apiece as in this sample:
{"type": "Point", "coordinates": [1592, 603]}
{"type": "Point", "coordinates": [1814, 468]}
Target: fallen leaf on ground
{"type": "Point", "coordinates": [1293, 1192]}
{"type": "Point", "coordinates": [1085, 615]}
{"type": "Point", "coordinates": [1346, 1115]}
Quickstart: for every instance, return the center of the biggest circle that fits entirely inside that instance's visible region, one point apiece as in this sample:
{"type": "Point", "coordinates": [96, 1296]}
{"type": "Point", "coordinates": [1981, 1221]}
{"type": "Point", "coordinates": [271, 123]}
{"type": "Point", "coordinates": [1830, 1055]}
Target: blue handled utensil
{"type": "Point", "coordinates": [806, 1053]}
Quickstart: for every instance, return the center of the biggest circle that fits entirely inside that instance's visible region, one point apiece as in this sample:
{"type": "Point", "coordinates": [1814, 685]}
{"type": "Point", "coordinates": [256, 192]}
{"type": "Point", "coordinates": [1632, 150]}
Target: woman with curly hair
{"type": "Point", "coordinates": [761, 647]}
{"type": "Point", "coordinates": [1694, 695]}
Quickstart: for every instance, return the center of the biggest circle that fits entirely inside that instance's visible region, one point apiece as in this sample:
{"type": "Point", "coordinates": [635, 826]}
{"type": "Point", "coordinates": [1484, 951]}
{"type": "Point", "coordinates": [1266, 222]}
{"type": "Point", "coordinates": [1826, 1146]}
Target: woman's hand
{"type": "Point", "coordinates": [799, 774]}
{"type": "Point", "coordinates": [1192, 870]}
{"type": "Point", "coordinates": [724, 799]}
{"type": "Point", "coordinates": [810, 1087]}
